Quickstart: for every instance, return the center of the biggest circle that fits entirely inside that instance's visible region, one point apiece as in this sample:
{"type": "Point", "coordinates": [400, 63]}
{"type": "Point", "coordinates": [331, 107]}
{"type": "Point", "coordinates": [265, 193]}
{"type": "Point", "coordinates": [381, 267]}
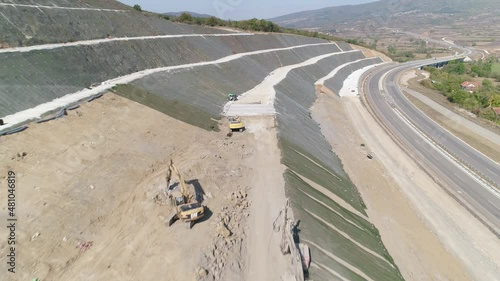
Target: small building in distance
{"type": "Point", "coordinates": [469, 86]}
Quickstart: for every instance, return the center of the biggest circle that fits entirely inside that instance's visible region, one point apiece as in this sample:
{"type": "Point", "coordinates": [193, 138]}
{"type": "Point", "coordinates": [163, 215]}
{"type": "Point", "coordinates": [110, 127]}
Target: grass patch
{"type": "Point", "coordinates": [322, 220]}
{"type": "Point", "coordinates": [362, 231]}
{"type": "Point", "coordinates": [495, 68]}
{"type": "Point", "coordinates": [334, 243]}
{"type": "Point", "coordinates": [312, 168]}
{"type": "Point", "coordinates": [174, 108]}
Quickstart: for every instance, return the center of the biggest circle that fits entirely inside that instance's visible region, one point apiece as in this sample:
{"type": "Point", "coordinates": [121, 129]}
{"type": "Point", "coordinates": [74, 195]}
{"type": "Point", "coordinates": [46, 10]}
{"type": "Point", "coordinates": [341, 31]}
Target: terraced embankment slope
{"type": "Point", "coordinates": [186, 72]}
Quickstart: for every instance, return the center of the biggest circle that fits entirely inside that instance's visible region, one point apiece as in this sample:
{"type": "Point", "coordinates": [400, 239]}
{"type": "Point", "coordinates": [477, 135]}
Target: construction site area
{"type": "Point", "coordinates": [145, 149]}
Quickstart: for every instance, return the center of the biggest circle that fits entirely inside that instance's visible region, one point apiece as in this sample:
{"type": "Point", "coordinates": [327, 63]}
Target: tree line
{"type": "Point", "coordinates": [258, 25]}
{"type": "Point", "coordinates": [481, 102]}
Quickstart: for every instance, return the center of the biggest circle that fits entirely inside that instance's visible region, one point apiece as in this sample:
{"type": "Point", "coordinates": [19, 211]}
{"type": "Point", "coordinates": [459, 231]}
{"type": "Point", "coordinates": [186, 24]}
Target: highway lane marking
{"type": "Point", "coordinates": [451, 136]}
{"type": "Point", "coordinates": [450, 157]}
{"type": "Point", "coordinates": [401, 95]}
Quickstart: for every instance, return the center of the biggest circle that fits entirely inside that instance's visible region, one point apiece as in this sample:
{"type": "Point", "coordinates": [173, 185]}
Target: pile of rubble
{"type": "Point", "coordinates": [224, 257]}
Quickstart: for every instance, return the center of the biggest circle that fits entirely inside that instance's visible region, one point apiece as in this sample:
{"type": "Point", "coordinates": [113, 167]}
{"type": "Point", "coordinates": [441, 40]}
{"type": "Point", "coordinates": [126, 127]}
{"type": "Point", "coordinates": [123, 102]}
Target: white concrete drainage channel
{"type": "Point", "coordinates": [260, 100]}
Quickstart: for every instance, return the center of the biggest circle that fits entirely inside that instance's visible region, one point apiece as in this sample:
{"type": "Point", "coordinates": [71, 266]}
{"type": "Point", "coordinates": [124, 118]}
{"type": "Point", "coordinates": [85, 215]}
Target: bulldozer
{"type": "Point", "coordinates": [185, 206]}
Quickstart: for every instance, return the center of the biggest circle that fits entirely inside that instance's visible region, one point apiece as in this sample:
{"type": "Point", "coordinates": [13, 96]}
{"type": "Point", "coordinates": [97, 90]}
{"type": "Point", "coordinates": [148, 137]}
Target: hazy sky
{"type": "Point", "coordinates": [239, 9]}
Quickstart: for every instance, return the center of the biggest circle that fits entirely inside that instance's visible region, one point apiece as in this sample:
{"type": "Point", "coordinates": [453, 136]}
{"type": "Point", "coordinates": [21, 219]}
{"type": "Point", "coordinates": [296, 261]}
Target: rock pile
{"type": "Point", "coordinates": [223, 257]}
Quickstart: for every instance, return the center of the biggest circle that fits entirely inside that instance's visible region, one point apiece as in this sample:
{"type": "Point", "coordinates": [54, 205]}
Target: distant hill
{"type": "Point", "coordinates": [196, 15]}
{"type": "Point", "coordinates": [391, 13]}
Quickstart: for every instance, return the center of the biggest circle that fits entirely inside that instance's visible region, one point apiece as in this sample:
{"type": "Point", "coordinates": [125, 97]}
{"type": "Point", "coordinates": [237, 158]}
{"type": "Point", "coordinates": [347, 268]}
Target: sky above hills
{"type": "Point", "coordinates": [240, 9]}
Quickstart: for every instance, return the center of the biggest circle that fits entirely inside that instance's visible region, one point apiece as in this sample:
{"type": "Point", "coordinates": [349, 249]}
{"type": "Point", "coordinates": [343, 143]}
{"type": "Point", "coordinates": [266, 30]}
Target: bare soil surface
{"type": "Point", "coordinates": [265, 260]}
{"type": "Point", "coordinates": [416, 250]}
{"type": "Point", "coordinates": [87, 204]}
{"type": "Point", "coordinates": [369, 53]}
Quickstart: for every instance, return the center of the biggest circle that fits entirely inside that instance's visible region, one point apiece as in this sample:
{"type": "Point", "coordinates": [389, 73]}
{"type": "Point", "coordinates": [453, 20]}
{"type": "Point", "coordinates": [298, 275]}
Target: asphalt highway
{"type": "Point", "coordinates": [471, 176]}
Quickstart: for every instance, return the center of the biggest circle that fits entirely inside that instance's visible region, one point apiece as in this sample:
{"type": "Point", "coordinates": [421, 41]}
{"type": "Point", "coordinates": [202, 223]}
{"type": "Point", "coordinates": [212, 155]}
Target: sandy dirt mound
{"type": "Point", "coordinates": [369, 53]}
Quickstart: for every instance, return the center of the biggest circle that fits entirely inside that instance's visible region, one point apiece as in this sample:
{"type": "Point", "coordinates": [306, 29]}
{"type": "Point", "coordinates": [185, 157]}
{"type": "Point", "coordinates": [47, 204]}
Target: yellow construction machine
{"type": "Point", "coordinates": [186, 208]}
{"type": "Point", "coordinates": [235, 124]}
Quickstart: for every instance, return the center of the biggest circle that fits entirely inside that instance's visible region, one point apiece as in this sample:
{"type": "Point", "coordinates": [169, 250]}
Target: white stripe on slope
{"type": "Point", "coordinates": [106, 40]}
{"type": "Point", "coordinates": [263, 95]}
{"type": "Point", "coordinates": [329, 270]}
{"type": "Point", "coordinates": [331, 209]}
{"type": "Point", "coordinates": [63, 8]}
{"type": "Point", "coordinates": [350, 85]}
{"type": "Point", "coordinates": [35, 112]}
{"type": "Point", "coordinates": [347, 236]}
{"type": "Point", "coordinates": [337, 69]}
{"type": "Point", "coordinates": [339, 260]}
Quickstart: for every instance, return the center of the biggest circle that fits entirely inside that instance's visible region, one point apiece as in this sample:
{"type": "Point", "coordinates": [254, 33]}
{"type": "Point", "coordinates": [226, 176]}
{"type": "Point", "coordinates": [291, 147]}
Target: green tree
{"type": "Point", "coordinates": [495, 100]}
{"type": "Point", "coordinates": [458, 96]}
{"type": "Point", "coordinates": [197, 21]}
{"type": "Point", "coordinates": [487, 83]}
{"type": "Point", "coordinates": [212, 21]}
{"type": "Point", "coordinates": [391, 49]}
{"type": "Point", "coordinates": [137, 7]}
{"type": "Point", "coordinates": [186, 18]}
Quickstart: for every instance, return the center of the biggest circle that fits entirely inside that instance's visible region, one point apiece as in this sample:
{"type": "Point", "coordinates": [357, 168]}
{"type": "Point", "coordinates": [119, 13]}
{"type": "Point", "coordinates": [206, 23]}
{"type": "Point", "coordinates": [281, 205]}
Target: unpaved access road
{"type": "Point", "coordinates": [92, 176]}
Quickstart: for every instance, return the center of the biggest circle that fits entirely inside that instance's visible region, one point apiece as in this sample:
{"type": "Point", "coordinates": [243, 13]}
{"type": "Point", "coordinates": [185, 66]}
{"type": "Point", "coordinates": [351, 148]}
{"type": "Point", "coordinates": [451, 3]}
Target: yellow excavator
{"type": "Point", "coordinates": [186, 208]}
{"type": "Point", "coordinates": [235, 124]}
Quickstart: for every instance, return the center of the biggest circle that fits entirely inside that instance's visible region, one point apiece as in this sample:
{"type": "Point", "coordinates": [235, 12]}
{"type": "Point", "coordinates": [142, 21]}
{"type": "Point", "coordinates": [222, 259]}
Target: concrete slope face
{"type": "Point", "coordinates": [188, 77]}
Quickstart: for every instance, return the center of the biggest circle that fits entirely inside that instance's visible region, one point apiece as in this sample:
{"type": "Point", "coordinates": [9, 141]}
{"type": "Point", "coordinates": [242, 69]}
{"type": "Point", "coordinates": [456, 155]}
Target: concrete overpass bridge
{"type": "Point", "coordinates": [439, 63]}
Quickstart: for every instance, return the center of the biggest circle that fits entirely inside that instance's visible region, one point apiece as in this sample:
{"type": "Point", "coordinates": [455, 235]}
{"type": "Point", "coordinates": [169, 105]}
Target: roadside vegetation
{"type": "Point", "coordinates": [482, 100]}
{"type": "Point", "coordinates": [250, 25]}
{"type": "Point", "coordinates": [400, 48]}
{"type": "Point", "coordinates": [260, 25]}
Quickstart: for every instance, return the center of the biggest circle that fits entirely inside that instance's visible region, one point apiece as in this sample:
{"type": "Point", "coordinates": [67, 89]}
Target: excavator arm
{"type": "Point", "coordinates": [185, 208]}
{"type": "Point", "coordinates": [184, 189]}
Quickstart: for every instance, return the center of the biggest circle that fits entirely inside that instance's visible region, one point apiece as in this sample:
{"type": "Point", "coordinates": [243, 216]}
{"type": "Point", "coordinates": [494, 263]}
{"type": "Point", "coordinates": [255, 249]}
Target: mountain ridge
{"type": "Point", "coordinates": [386, 12]}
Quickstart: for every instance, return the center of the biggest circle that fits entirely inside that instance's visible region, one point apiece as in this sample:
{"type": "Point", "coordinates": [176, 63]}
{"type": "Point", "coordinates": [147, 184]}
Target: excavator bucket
{"type": "Point", "coordinates": [172, 218]}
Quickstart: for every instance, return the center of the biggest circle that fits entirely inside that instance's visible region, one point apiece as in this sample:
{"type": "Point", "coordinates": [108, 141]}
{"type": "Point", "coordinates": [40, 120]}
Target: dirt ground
{"type": "Point", "coordinates": [369, 53]}
{"type": "Point", "coordinates": [92, 176]}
